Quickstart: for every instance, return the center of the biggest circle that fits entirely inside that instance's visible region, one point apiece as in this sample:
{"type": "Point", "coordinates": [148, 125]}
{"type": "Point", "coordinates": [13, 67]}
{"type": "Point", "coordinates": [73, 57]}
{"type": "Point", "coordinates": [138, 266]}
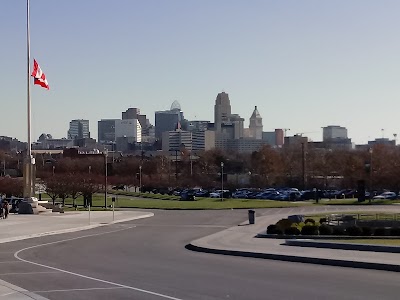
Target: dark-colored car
{"type": "Point", "coordinates": [188, 195]}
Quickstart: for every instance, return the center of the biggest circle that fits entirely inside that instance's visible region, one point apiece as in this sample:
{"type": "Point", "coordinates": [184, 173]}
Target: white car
{"type": "Point", "coordinates": [386, 195]}
{"type": "Point", "coordinates": [216, 194]}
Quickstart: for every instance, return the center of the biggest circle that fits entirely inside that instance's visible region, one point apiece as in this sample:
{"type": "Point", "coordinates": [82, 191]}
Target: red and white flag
{"type": "Point", "coordinates": [38, 75]}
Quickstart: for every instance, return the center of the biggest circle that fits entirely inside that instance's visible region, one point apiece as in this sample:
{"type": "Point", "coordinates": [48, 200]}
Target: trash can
{"type": "Point", "coordinates": [252, 216]}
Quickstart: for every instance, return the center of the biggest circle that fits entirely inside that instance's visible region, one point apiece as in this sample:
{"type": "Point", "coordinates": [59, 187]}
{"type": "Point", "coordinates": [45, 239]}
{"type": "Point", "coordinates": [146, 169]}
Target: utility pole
{"type": "Point", "coordinates": [222, 181]}
{"type": "Point", "coordinates": [105, 178]}
{"type": "Point", "coordinates": [303, 165]}
{"type": "Point", "coordinates": [140, 179]}
{"type": "Point", "coordinates": [176, 165]}
{"type": "Point", "coordinates": [191, 164]}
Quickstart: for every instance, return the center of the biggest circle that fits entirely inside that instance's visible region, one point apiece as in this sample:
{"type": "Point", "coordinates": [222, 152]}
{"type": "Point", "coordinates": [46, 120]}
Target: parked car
{"type": "Point", "coordinates": [386, 195]}
{"type": "Point", "coordinates": [202, 193]}
{"type": "Point", "coordinates": [188, 195]}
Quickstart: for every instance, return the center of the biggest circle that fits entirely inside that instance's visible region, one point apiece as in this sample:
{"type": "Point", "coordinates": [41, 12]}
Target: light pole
{"type": "Point", "coordinates": [191, 164]}
{"type": "Point", "coordinates": [105, 178]}
{"type": "Point", "coordinates": [303, 165]}
{"type": "Point", "coordinates": [140, 179]}
{"type": "Point", "coordinates": [370, 173]}
{"type": "Point", "coordinates": [222, 181]}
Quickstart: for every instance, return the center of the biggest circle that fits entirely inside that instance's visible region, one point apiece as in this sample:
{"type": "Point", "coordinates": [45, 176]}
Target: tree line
{"type": "Point", "coordinates": [268, 167]}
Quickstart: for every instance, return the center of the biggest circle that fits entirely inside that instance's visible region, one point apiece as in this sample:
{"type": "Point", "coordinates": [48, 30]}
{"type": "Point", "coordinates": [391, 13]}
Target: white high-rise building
{"type": "Point", "coordinates": [128, 128]}
{"type": "Point", "coordinates": [78, 129]}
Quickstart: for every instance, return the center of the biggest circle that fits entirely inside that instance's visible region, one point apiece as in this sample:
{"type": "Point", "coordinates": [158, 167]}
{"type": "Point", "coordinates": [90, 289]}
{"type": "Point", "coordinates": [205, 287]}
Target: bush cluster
{"type": "Point", "coordinates": [292, 231]}
{"type": "Point", "coordinates": [353, 231]}
{"type": "Point", "coordinates": [311, 227]}
{"type": "Point", "coordinates": [325, 229]}
{"type": "Point", "coordinates": [273, 229]}
{"type": "Point", "coordinates": [309, 220]}
{"type": "Point", "coordinates": [284, 224]}
{"type": "Point", "coordinates": [310, 230]}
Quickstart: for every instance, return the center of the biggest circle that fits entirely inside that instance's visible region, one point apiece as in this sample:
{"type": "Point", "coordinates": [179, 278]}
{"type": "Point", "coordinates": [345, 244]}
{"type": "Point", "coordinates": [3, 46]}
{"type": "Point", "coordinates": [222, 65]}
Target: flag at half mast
{"type": "Point", "coordinates": [39, 77]}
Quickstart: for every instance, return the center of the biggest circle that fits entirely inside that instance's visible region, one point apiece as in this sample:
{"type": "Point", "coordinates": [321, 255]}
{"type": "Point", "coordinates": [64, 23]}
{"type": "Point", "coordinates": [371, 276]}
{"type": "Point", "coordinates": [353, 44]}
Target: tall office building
{"type": "Point", "coordinates": [274, 138]}
{"type": "Point", "coordinates": [106, 130]}
{"type": "Point", "coordinates": [78, 129]}
{"type": "Point", "coordinates": [168, 119]}
{"type": "Point", "coordinates": [190, 140]}
{"type": "Point", "coordinates": [130, 113]}
{"type": "Point", "coordinates": [128, 128]}
{"type": "Point", "coordinates": [334, 132]}
{"type": "Point", "coordinates": [222, 110]}
{"type": "Point", "coordinates": [256, 127]}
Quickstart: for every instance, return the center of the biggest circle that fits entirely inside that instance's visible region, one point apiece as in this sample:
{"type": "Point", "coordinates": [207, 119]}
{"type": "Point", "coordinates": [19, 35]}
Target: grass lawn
{"type": "Point", "coordinates": [360, 215]}
{"type": "Point", "coordinates": [158, 201]}
{"type": "Point", "coordinates": [384, 242]}
{"type": "Point", "coordinates": [200, 203]}
{"type": "Point", "coordinates": [355, 202]}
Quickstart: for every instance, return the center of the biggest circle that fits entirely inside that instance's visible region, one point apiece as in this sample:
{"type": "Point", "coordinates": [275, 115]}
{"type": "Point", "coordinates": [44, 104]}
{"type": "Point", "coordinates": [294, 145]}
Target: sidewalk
{"type": "Point", "coordinates": [241, 241]}
{"type": "Point", "coordinates": [19, 227]}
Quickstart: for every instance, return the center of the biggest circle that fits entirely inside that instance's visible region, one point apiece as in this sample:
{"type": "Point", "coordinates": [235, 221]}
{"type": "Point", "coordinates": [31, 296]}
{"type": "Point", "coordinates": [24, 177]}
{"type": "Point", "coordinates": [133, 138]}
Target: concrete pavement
{"type": "Point", "coordinates": [148, 256]}
{"type": "Point", "coordinates": [20, 227]}
{"type": "Point", "coordinates": [241, 241]}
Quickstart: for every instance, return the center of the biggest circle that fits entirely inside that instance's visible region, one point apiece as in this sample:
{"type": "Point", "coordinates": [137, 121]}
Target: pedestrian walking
{"type": "Point", "coordinates": [5, 209]}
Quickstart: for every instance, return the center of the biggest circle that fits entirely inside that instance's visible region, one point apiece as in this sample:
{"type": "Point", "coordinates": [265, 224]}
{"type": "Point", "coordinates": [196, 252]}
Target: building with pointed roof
{"type": "Point", "coordinates": [256, 126]}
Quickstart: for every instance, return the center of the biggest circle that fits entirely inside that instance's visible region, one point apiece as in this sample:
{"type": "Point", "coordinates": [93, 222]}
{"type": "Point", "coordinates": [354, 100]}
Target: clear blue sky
{"type": "Point", "coordinates": [305, 64]}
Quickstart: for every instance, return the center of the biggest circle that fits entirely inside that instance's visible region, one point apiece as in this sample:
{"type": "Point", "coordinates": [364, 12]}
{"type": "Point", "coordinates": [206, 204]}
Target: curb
{"type": "Point", "coordinates": [343, 246]}
{"type": "Point", "coordinates": [70, 230]}
{"type": "Point", "coordinates": [301, 259]}
{"type": "Point", "coordinates": [16, 292]}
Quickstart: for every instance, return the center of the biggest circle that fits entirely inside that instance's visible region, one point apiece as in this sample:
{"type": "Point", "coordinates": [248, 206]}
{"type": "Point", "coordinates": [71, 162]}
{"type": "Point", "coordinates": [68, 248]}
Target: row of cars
{"type": "Point", "coordinates": [287, 194]}
{"type": "Point", "coordinates": [290, 194]}
{"type": "Point", "coordinates": [284, 194]}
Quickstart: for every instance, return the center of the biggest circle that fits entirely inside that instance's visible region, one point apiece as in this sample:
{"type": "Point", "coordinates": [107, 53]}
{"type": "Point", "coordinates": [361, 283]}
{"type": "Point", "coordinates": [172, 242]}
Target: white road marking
{"type": "Point", "coordinates": [16, 255]}
{"type": "Point", "coordinates": [73, 290]}
{"type": "Point", "coordinates": [10, 261]}
{"type": "Point", "coordinates": [29, 273]}
{"type": "Point", "coordinates": [7, 294]}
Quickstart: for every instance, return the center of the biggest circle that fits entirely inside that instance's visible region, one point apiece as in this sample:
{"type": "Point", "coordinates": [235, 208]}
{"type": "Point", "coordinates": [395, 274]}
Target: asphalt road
{"type": "Point", "coordinates": [146, 259]}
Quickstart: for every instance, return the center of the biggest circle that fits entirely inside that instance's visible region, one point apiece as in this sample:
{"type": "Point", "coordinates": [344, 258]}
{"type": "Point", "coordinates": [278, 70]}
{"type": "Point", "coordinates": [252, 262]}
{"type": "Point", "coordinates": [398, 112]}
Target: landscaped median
{"type": "Point", "coordinates": [365, 231]}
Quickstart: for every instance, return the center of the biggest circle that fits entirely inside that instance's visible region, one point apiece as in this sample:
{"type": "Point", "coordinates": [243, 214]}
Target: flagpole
{"type": "Point", "coordinates": [28, 42]}
{"type": "Point", "coordinates": [28, 163]}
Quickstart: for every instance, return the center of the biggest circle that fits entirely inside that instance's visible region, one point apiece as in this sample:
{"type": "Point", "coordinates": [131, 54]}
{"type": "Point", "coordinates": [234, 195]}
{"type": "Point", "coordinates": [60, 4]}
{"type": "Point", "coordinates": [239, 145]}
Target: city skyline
{"type": "Point", "coordinates": [304, 65]}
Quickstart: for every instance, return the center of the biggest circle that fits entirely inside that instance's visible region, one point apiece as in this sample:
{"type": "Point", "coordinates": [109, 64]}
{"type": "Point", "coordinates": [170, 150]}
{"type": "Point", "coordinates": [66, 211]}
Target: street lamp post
{"type": "Point", "coordinates": [303, 165]}
{"type": "Point", "coordinates": [370, 174]}
{"type": "Point", "coordinates": [105, 178]}
{"type": "Point", "coordinates": [191, 164]}
{"type": "Point", "coordinates": [140, 179]}
{"type": "Point", "coordinates": [222, 181]}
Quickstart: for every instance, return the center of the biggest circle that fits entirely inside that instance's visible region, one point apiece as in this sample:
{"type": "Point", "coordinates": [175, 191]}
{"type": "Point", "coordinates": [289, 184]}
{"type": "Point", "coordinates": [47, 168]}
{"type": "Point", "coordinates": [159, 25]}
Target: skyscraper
{"type": "Point", "coordinates": [106, 130]}
{"type": "Point", "coordinates": [222, 110]}
{"type": "Point", "coordinates": [168, 119]}
{"type": "Point", "coordinates": [334, 132]}
{"type": "Point", "coordinates": [78, 129]}
{"type": "Point", "coordinates": [256, 127]}
{"type": "Point", "coordinates": [131, 113]}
